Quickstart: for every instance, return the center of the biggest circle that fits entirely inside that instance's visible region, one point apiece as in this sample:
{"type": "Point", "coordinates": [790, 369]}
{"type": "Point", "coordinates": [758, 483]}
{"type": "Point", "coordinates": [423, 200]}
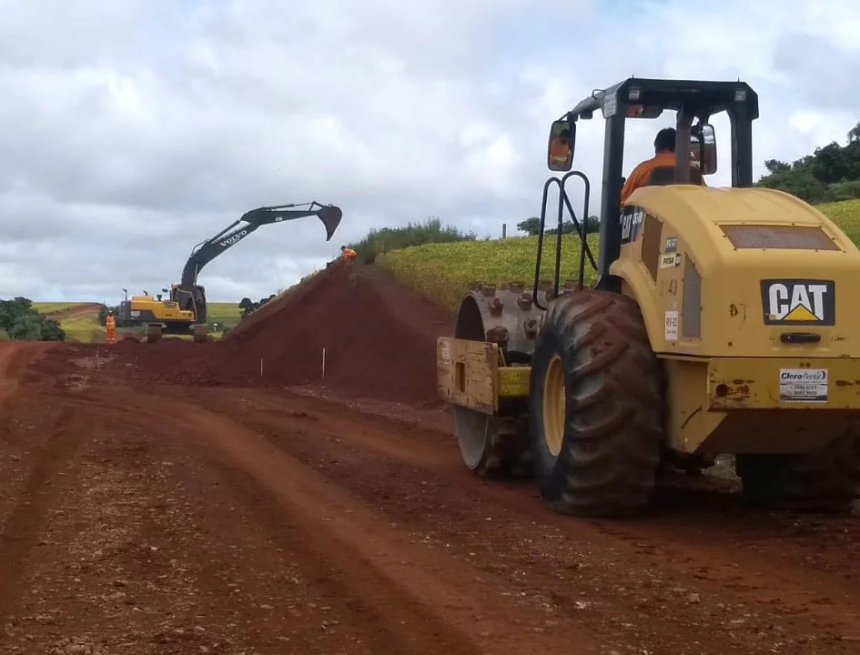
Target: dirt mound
{"type": "Point", "coordinates": [379, 340]}
{"type": "Point", "coordinates": [274, 306]}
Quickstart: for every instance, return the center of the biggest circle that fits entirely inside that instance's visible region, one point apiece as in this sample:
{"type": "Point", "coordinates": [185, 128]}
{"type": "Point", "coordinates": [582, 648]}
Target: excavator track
{"type": "Point", "coordinates": [153, 333]}
{"type": "Point", "coordinates": [201, 334]}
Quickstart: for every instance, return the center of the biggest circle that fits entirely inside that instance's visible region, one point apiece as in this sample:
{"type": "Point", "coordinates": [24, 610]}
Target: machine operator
{"type": "Point", "coordinates": [662, 163]}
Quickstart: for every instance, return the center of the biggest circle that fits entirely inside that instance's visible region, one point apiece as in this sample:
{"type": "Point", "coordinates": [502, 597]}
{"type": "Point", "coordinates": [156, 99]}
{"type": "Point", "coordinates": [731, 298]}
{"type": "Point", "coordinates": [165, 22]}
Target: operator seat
{"type": "Point", "coordinates": [665, 176]}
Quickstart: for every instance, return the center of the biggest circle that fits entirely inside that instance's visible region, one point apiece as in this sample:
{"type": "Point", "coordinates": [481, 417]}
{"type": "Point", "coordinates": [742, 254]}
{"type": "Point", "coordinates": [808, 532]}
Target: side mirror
{"type": "Point", "coordinates": [562, 139]}
{"type": "Point", "coordinates": [703, 148]}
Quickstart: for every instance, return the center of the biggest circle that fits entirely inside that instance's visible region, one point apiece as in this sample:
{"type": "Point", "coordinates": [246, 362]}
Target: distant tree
{"type": "Point", "coordinates": [52, 331]}
{"type": "Point", "coordinates": [18, 320]}
{"type": "Point", "coordinates": [247, 306]}
{"type": "Point", "coordinates": [831, 173]}
{"type": "Point", "coordinates": [530, 226]}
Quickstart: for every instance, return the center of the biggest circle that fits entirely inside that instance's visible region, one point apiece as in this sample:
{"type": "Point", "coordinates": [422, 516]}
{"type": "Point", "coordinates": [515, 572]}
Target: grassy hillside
{"type": "Point", "coordinates": [846, 215]}
{"type": "Point", "coordinates": [80, 321]}
{"type": "Point", "coordinates": [443, 271]}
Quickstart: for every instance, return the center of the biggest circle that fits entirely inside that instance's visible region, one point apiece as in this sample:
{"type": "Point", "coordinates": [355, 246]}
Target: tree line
{"type": "Point", "coordinates": [248, 306]}
{"type": "Point", "coordinates": [830, 174]}
{"type": "Point", "coordinates": [20, 321]}
{"type": "Point", "coordinates": [531, 226]}
{"type": "Point", "coordinates": [379, 241]}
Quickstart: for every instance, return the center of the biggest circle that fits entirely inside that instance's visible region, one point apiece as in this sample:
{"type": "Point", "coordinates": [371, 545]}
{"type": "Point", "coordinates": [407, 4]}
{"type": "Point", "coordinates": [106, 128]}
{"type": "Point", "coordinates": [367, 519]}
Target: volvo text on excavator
{"type": "Point", "coordinates": [186, 307]}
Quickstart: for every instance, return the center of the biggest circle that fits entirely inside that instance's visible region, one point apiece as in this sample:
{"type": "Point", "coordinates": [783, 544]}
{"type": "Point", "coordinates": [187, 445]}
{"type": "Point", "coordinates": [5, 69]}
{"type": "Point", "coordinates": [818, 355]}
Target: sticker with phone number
{"type": "Point", "coordinates": [803, 385]}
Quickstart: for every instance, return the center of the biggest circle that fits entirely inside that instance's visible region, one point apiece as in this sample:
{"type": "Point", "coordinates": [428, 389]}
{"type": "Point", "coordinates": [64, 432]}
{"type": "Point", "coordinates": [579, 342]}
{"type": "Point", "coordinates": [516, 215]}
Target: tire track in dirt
{"type": "Point", "coordinates": [19, 538]}
{"type": "Point", "coordinates": [124, 563]}
{"type": "Point", "coordinates": [567, 578]}
{"type": "Point", "coordinates": [646, 584]}
{"type": "Point", "coordinates": [826, 602]}
{"type": "Point", "coordinates": [419, 601]}
{"type": "Point", "coordinates": [15, 357]}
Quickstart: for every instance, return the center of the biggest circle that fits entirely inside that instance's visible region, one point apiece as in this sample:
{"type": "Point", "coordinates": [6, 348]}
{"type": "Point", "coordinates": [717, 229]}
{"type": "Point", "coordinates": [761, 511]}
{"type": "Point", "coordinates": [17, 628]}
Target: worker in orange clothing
{"type": "Point", "coordinates": [110, 324]}
{"type": "Point", "coordinates": [349, 254]}
{"type": "Point", "coordinates": [559, 149]}
{"type": "Point", "coordinates": [662, 166]}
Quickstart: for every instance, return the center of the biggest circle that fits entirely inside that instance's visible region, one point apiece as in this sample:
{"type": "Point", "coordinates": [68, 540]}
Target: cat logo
{"type": "Point", "coordinates": [799, 302]}
{"type": "Point", "coordinates": [631, 221]}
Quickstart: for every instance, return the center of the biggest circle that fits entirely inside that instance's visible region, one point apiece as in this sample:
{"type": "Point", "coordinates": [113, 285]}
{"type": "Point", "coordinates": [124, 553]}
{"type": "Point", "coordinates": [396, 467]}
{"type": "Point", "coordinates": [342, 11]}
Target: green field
{"type": "Point", "coordinates": [80, 321]}
{"type": "Point", "coordinates": [49, 308]}
{"type": "Point", "coordinates": [443, 271]}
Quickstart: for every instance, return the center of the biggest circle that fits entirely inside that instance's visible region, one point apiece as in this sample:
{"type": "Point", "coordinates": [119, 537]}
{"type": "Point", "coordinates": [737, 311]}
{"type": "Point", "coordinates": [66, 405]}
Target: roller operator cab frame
{"type": "Point", "coordinates": [185, 309]}
{"type": "Point", "coordinates": [723, 321]}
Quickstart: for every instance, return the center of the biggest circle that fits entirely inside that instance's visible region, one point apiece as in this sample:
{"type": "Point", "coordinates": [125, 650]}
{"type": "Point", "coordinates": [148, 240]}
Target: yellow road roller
{"type": "Point", "coordinates": [722, 321]}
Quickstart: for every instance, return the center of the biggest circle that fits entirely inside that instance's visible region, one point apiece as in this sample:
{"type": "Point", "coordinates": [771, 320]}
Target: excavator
{"type": "Point", "coordinates": [185, 310]}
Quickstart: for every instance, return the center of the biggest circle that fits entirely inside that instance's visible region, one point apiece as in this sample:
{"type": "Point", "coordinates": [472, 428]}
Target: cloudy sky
{"type": "Point", "coordinates": [131, 130]}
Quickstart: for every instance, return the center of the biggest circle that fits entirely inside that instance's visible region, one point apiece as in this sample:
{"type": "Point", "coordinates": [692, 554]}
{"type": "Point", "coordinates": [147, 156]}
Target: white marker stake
{"type": "Point", "coordinates": [323, 363]}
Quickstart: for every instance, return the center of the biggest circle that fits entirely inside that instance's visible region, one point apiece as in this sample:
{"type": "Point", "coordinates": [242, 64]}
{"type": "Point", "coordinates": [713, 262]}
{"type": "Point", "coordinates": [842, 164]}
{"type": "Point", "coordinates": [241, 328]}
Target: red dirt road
{"type": "Point", "coordinates": [146, 519]}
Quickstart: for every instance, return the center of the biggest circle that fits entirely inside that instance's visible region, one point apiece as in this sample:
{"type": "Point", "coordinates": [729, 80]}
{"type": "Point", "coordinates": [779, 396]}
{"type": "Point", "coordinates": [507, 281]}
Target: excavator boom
{"type": "Point", "coordinates": [187, 304]}
{"type": "Point", "coordinates": [205, 251]}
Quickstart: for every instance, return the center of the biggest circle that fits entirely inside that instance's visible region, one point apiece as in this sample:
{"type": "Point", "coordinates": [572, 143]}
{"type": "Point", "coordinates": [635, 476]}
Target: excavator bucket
{"type": "Point", "coordinates": [330, 216]}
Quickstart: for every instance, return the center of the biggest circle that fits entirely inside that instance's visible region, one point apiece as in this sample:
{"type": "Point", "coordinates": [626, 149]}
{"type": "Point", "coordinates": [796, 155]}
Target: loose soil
{"type": "Point", "coordinates": [165, 500]}
{"type": "Point", "coordinates": [354, 329]}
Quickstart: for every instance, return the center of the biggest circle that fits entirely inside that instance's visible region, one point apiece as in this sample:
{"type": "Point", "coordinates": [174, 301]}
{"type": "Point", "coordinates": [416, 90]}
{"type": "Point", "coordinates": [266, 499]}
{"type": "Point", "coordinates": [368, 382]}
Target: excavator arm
{"type": "Point", "coordinates": [187, 305]}
{"type": "Point", "coordinates": [205, 251]}
{"type": "Point", "coordinates": [191, 296]}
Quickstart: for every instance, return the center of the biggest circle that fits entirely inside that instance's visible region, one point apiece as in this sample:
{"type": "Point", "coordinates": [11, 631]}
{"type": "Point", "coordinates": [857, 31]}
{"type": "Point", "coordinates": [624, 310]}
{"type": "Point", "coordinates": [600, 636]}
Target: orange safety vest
{"type": "Point", "coordinates": [349, 253]}
{"type": "Point", "coordinates": [641, 175]}
{"type": "Point", "coordinates": [559, 151]}
{"type": "Point", "coordinates": [110, 323]}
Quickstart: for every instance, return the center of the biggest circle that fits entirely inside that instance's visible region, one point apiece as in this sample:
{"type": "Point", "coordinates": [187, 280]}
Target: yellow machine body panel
{"type": "Point", "coordinates": [728, 272]}
{"type": "Point", "coordinates": [159, 310]}
{"type": "Point", "coordinates": [750, 297]}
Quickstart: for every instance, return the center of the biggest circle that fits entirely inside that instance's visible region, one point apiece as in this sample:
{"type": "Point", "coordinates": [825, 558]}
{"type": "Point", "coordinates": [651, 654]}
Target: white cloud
{"type": "Point", "coordinates": [131, 131]}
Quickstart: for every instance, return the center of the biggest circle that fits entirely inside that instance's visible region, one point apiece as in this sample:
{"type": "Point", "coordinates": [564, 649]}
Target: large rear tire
{"type": "Point", "coordinates": [596, 406]}
{"type": "Point", "coordinates": [827, 480]}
